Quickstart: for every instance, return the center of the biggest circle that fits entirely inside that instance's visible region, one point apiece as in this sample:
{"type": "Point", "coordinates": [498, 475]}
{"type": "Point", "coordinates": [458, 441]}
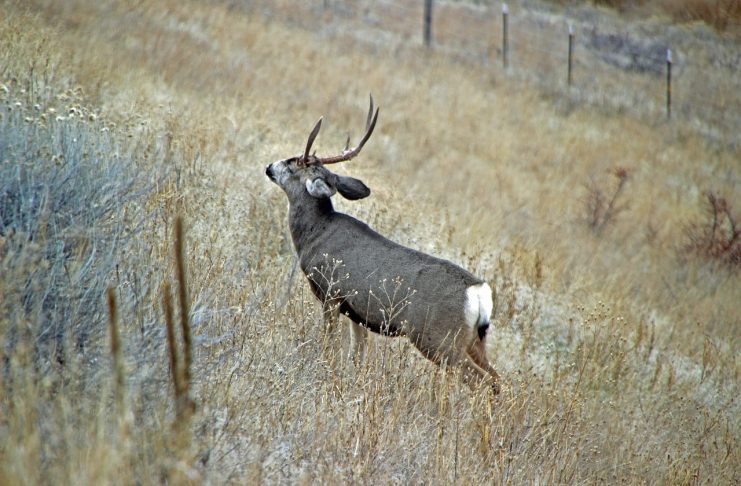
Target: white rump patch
{"type": "Point", "coordinates": [478, 304]}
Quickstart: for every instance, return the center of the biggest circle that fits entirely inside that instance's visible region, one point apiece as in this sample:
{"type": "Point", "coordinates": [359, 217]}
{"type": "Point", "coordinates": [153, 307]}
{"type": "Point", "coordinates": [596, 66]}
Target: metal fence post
{"type": "Point", "coordinates": [571, 55]}
{"type": "Point", "coordinates": [668, 83]}
{"type": "Point", "coordinates": [428, 23]}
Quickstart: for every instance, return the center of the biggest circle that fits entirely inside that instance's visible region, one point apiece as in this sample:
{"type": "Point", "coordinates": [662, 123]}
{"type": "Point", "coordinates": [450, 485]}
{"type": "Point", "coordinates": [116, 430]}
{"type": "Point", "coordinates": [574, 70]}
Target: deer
{"type": "Point", "coordinates": [381, 286]}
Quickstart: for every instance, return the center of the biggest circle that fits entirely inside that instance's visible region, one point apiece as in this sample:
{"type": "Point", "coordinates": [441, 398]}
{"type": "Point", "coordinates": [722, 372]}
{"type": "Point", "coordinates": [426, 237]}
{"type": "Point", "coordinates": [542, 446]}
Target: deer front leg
{"type": "Point", "coordinates": [358, 342]}
{"type": "Point", "coordinates": [331, 334]}
{"type": "Point", "coordinates": [331, 312]}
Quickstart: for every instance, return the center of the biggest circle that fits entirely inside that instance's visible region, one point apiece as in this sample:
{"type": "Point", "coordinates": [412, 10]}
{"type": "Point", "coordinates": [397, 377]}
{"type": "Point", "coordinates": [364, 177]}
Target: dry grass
{"type": "Point", "coordinates": [621, 360]}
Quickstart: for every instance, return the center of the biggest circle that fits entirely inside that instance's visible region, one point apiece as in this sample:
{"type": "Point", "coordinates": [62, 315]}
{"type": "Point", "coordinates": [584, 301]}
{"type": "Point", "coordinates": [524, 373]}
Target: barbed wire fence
{"type": "Point", "coordinates": [662, 73]}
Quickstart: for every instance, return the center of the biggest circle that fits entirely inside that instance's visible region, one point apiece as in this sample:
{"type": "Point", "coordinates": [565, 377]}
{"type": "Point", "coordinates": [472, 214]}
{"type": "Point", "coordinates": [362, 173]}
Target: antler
{"type": "Point", "coordinates": [347, 153]}
{"type": "Point", "coordinates": [312, 136]}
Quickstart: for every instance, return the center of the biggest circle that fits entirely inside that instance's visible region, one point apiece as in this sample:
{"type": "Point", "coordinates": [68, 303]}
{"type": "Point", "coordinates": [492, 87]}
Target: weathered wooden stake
{"type": "Point", "coordinates": [428, 23]}
{"type": "Point", "coordinates": [183, 300]}
{"type": "Point", "coordinates": [116, 354]}
{"type": "Point", "coordinates": [505, 36]}
{"type": "Point", "coordinates": [668, 83]}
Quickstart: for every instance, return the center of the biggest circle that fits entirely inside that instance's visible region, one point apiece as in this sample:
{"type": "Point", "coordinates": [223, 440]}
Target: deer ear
{"type": "Point", "coordinates": [351, 188]}
{"type": "Point", "coordinates": [319, 188]}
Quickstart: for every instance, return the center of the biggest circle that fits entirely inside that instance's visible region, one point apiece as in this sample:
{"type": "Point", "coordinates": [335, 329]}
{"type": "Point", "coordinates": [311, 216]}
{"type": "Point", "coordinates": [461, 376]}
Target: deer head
{"type": "Point", "coordinates": [307, 172]}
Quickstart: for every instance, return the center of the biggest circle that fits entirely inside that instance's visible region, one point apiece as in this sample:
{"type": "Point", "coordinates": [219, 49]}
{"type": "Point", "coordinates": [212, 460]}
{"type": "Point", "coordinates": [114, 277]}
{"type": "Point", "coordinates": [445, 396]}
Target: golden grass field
{"type": "Point", "coordinates": [618, 340]}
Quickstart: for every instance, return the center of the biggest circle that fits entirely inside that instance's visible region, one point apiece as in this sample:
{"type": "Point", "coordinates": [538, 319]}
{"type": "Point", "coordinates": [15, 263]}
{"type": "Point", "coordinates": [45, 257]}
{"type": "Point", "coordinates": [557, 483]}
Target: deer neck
{"type": "Point", "coordinates": [308, 220]}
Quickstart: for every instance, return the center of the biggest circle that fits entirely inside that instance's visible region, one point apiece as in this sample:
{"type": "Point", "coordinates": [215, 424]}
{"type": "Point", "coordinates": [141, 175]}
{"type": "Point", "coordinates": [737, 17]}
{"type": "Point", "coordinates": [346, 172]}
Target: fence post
{"type": "Point", "coordinates": [668, 83]}
{"type": "Point", "coordinates": [428, 23]}
{"type": "Point", "coordinates": [505, 37]}
{"type": "Point", "coordinates": [571, 54]}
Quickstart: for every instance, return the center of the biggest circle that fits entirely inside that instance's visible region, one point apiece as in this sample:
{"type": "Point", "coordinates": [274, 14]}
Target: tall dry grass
{"type": "Point", "coordinates": [619, 351]}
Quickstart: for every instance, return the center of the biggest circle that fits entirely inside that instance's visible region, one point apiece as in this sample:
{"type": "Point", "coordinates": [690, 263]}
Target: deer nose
{"type": "Point", "coordinates": [269, 171]}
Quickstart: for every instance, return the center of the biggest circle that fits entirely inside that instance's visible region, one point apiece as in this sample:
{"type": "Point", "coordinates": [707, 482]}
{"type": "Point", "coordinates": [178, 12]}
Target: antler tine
{"type": "Point", "coordinates": [310, 141]}
{"type": "Point", "coordinates": [370, 112]}
{"type": "Point", "coordinates": [370, 124]}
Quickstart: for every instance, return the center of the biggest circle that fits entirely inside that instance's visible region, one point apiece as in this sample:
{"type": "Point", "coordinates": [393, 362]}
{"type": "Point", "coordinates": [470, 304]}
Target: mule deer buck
{"type": "Point", "coordinates": [380, 285]}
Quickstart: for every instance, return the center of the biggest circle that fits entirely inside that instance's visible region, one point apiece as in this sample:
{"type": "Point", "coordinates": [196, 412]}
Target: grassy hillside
{"type": "Point", "coordinates": [611, 241]}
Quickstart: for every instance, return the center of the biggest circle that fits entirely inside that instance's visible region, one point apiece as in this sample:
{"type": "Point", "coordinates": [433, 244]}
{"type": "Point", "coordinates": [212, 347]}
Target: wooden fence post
{"type": "Point", "coordinates": [505, 37]}
{"type": "Point", "coordinates": [428, 23]}
{"type": "Point", "coordinates": [668, 83]}
{"type": "Point", "coordinates": [571, 55]}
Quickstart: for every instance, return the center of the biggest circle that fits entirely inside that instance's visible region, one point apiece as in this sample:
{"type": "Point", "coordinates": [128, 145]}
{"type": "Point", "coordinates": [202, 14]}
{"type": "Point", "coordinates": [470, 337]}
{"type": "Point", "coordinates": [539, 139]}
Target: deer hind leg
{"type": "Point", "coordinates": [472, 373]}
{"type": "Point", "coordinates": [477, 352]}
{"type": "Point", "coordinates": [475, 375]}
{"type": "Point", "coordinates": [454, 353]}
{"type": "Point", "coordinates": [475, 368]}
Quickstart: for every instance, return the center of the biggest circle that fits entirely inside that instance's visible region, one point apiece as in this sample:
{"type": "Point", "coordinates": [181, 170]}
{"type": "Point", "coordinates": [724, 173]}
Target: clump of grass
{"type": "Point", "coordinates": [602, 205]}
{"type": "Point", "coordinates": [717, 236]}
